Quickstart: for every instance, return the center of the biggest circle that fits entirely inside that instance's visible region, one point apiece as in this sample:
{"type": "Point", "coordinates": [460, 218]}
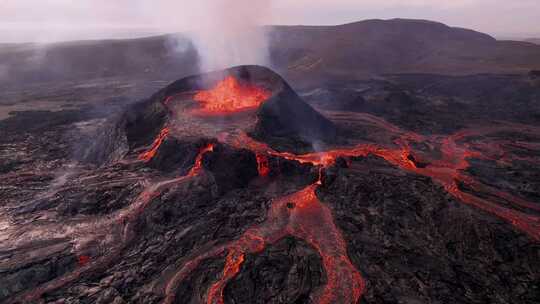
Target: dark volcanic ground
{"type": "Point", "coordinates": [83, 220]}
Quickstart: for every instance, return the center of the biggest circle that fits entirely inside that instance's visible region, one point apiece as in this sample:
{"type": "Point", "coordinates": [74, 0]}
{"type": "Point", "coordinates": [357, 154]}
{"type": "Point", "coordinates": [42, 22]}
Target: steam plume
{"type": "Point", "coordinates": [232, 33]}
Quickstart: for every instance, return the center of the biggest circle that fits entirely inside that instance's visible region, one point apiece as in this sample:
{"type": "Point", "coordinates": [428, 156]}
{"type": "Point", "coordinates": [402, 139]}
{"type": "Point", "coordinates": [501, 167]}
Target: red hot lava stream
{"type": "Point", "coordinates": [302, 215]}
{"type": "Point", "coordinates": [262, 165]}
{"type": "Point", "coordinates": [447, 171]}
{"type": "Point", "coordinates": [126, 220]}
{"type": "Point", "coordinates": [148, 155]}
{"type": "Point", "coordinates": [198, 166]}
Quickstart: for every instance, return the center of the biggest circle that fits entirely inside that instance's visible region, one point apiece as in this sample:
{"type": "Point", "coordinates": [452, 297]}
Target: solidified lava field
{"type": "Point", "coordinates": [231, 187]}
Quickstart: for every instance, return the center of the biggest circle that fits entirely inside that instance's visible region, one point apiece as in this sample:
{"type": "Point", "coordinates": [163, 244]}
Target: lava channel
{"type": "Point", "coordinates": [301, 215]}
{"type": "Point", "coordinates": [148, 155]}
{"type": "Point", "coordinates": [447, 171]}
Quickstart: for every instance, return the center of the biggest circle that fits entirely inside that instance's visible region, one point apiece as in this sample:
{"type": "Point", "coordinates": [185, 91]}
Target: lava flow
{"type": "Point", "coordinates": [447, 171]}
{"type": "Point", "coordinates": [302, 215]}
{"type": "Point", "coordinates": [148, 155]}
{"type": "Point", "coordinates": [262, 165]}
{"type": "Point", "coordinates": [230, 96]}
{"type": "Point", "coordinates": [125, 220]}
{"type": "Point", "coordinates": [197, 167]}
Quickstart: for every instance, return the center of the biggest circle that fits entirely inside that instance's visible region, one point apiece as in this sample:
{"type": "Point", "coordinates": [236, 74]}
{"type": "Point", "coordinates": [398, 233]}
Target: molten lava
{"type": "Point", "coordinates": [262, 165]}
{"type": "Point", "coordinates": [148, 155]}
{"type": "Point", "coordinates": [229, 96]}
{"type": "Point", "coordinates": [309, 220]}
{"type": "Point", "coordinates": [447, 171]}
{"type": "Point", "coordinates": [198, 161]}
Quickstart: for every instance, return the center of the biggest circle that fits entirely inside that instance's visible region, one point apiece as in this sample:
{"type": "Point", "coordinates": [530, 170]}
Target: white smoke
{"type": "Point", "coordinates": [233, 33]}
{"type": "Point", "coordinates": [224, 32]}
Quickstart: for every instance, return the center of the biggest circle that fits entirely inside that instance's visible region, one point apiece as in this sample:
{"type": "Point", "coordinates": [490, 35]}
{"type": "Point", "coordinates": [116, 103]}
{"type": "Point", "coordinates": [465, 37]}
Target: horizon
{"type": "Point", "coordinates": [62, 20]}
{"type": "Point", "coordinates": [125, 33]}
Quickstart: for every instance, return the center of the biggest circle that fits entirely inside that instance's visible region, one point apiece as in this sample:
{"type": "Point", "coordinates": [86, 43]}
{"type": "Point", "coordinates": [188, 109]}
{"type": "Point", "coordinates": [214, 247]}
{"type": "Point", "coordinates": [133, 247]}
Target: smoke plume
{"type": "Point", "coordinates": [232, 33]}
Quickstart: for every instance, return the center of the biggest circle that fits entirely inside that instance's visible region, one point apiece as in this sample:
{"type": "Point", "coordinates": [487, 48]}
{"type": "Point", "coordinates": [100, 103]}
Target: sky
{"type": "Point", "coordinates": [56, 20]}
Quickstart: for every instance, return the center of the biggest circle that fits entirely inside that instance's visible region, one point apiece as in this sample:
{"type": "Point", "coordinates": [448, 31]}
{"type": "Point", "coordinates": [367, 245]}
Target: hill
{"type": "Point", "coordinates": [533, 40]}
{"type": "Point", "coordinates": [355, 50]}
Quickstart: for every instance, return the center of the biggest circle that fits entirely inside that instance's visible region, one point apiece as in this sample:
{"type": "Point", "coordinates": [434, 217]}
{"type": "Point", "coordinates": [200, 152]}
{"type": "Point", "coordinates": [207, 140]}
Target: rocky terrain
{"type": "Point", "coordinates": [405, 188]}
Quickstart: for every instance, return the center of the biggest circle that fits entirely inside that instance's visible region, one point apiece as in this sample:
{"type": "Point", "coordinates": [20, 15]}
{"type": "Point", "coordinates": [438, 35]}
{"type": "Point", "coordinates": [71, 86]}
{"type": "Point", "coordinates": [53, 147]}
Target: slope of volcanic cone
{"type": "Point", "coordinates": [144, 121]}
{"type": "Point", "coordinates": [177, 106]}
{"type": "Point", "coordinates": [231, 168]}
{"type": "Point", "coordinates": [178, 155]}
{"type": "Point", "coordinates": [285, 114]}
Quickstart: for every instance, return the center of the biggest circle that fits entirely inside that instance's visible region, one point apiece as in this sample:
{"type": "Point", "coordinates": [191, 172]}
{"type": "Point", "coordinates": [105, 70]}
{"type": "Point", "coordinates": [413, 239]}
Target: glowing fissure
{"type": "Point", "coordinates": [229, 96]}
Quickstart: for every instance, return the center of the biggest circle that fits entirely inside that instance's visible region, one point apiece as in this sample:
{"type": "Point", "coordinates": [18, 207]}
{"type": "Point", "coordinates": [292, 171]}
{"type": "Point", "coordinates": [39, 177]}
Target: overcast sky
{"type": "Point", "coordinates": [52, 20]}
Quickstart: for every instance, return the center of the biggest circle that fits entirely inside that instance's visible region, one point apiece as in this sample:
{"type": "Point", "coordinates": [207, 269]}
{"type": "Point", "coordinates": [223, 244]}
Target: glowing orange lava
{"type": "Point", "coordinates": [447, 171]}
{"type": "Point", "coordinates": [262, 165]}
{"type": "Point", "coordinates": [230, 96]}
{"type": "Point", "coordinates": [300, 214]}
{"type": "Point", "coordinates": [148, 155]}
{"type": "Point", "coordinates": [198, 161]}
{"type": "Point", "coordinates": [125, 220]}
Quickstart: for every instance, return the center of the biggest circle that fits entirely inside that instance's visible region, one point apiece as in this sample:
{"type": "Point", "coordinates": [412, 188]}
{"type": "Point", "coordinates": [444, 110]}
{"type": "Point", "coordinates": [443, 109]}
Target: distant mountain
{"type": "Point", "coordinates": [355, 50]}
{"type": "Point", "coordinates": [398, 46]}
{"type": "Point", "coordinates": [533, 40]}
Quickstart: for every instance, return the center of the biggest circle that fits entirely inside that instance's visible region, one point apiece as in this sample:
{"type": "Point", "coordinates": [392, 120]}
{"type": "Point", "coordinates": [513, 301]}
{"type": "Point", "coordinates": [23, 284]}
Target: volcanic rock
{"type": "Point", "coordinates": [143, 121]}
{"type": "Point", "coordinates": [178, 155]}
{"type": "Point", "coordinates": [231, 168]}
{"type": "Point", "coordinates": [285, 114]}
{"type": "Point", "coordinates": [286, 272]}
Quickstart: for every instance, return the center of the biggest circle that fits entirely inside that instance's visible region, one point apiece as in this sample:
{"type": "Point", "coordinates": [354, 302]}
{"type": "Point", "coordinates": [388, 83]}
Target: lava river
{"type": "Point", "coordinates": [302, 215]}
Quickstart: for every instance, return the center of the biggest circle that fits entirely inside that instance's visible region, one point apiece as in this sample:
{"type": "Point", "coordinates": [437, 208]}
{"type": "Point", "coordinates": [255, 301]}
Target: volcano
{"type": "Point", "coordinates": [250, 99]}
{"type": "Point", "coordinates": [228, 187]}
